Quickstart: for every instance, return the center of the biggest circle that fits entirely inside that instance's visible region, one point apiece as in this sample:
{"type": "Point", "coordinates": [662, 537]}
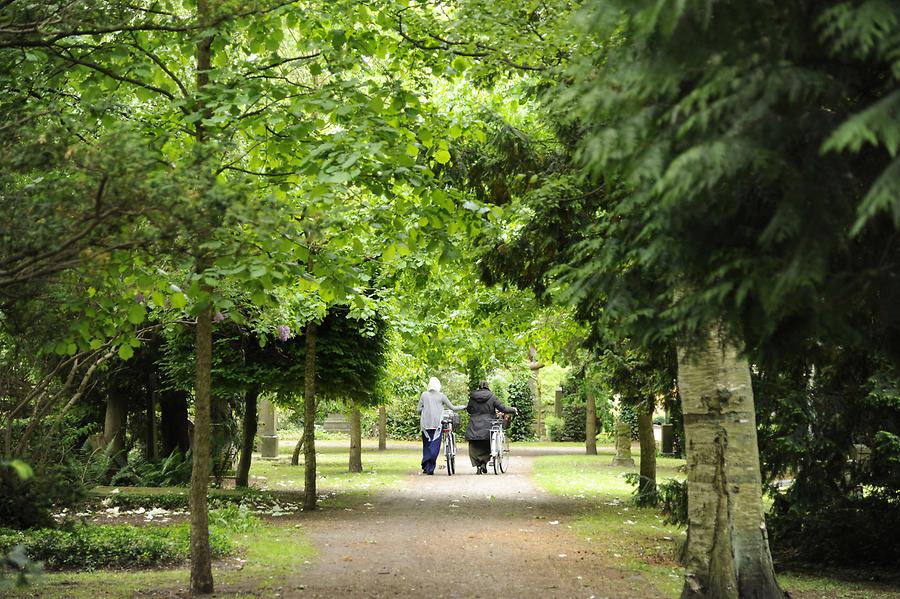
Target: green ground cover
{"type": "Point", "coordinates": [268, 552]}
{"type": "Point", "coordinates": [638, 540]}
{"type": "Point", "coordinates": [381, 470]}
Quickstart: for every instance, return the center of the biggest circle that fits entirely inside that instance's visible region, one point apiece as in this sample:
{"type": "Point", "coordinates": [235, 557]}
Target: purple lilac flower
{"type": "Point", "coordinates": [218, 317]}
{"type": "Point", "coordinates": [283, 332]}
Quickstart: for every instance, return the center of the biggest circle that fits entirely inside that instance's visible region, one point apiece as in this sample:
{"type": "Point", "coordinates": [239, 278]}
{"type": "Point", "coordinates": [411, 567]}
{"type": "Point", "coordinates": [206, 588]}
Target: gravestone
{"type": "Point", "coordinates": [269, 437]}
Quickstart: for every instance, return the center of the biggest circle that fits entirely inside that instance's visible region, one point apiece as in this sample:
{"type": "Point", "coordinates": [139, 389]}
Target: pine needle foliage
{"type": "Point", "coordinates": [748, 151]}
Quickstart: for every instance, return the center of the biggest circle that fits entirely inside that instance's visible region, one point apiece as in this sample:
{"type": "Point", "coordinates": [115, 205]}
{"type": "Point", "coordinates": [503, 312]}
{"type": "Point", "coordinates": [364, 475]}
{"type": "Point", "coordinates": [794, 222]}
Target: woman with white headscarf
{"type": "Point", "coordinates": [431, 408]}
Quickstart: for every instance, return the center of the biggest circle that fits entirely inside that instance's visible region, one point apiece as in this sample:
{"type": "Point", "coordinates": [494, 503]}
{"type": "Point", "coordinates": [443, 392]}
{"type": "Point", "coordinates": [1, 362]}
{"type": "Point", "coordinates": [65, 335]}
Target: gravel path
{"type": "Point", "coordinates": [459, 536]}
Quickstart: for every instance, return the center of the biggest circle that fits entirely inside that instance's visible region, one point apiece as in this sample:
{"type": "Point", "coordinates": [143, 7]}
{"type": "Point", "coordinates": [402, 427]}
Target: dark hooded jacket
{"type": "Point", "coordinates": [482, 408]}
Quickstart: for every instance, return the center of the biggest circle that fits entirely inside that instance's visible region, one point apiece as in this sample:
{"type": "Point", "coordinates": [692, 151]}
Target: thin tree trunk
{"type": "Point", "coordinates": [242, 474]}
{"type": "Point", "coordinates": [309, 419]}
{"type": "Point", "coordinates": [382, 428]}
{"type": "Point", "coordinates": [295, 457]}
{"type": "Point", "coordinates": [590, 424]}
{"type": "Point", "coordinates": [355, 439]}
{"type": "Point", "coordinates": [201, 563]}
{"type": "Point", "coordinates": [727, 551]}
{"type": "Point", "coordinates": [647, 483]}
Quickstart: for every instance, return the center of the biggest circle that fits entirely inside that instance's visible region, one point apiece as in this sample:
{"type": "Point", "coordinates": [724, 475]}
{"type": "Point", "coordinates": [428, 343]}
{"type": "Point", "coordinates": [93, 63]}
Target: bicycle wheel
{"type": "Point", "coordinates": [495, 452]}
{"type": "Point", "coordinates": [447, 450]}
{"type": "Point", "coordinates": [450, 452]}
{"type": "Point", "coordinates": [504, 454]}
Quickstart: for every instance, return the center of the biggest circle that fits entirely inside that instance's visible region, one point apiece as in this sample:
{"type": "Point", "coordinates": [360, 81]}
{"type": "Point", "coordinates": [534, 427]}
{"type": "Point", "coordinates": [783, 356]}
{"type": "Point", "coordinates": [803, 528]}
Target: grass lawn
{"type": "Point", "coordinates": [637, 539]}
{"type": "Point", "coordinates": [269, 552]}
{"type": "Point", "coordinates": [381, 469]}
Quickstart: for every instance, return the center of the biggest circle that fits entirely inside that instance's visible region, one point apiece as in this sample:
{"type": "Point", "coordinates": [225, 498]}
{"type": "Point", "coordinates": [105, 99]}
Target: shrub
{"type": "Point", "coordinates": [574, 416]}
{"type": "Point", "coordinates": [27, 503]}
{"type": "Point", "coordinates": [673, 501]}
{"type": "Point", "coordinates": [90, 546]}
{"type": "Point", "coordinates": [641, 497]}
{"type": "Point", "coordinates": [179, 501]}
{"type": "Point", "coordinates": [554, 427]}
{"type": "Point", "coordinates": [846, 531]}
{"type": "Point", "coordinates": [174, 471]}
{"type": "Point", "coordinates": [403, 420]}
{"type": "Point", "coordinates": [520, 397]}
{"type": "Point", "coordinates": [233, 517]}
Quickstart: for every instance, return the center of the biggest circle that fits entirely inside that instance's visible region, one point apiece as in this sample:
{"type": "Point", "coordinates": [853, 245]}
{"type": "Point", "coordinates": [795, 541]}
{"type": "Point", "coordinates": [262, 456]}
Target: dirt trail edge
{"type": "Point", "coordinates": [459, 536]}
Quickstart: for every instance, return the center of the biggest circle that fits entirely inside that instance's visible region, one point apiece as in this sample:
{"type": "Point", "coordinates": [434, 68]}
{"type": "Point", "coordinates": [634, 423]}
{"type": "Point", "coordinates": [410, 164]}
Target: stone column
{"type": "Point", "coordinates": [623, 442]}
{"type": "Point", "coordinates": [269, 437]}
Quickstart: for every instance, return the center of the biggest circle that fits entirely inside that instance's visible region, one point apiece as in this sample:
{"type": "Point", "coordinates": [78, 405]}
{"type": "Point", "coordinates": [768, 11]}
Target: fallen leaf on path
{"type": "Point", "coordinates": [347, 558]}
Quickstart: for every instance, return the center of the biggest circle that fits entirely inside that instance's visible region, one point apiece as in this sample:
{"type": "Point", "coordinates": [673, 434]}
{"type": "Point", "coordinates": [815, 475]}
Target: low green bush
{"type": "Point", "coordinates": [174, 471]}
{"type": "Point", "coordinates": [851, 531]}
{"type": "Point", "coordinates": [92, 546]}
{"type": "Point", "coordinates": [28, 503]}
{"type": "Point", "coordinates": [673, 501]}
{"type": "Point", "coordinates": [554, 427]}
{"type": "Point", "coordinates": [233, 517]}
{"type": "Point", "coordinates": [179, 501]}
{"type": "Point", "coordinates": [403, 420]}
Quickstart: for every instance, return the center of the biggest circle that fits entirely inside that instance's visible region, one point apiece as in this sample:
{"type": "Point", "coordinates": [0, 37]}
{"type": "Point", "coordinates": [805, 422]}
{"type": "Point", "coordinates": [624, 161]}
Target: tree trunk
{"type": "Point", "coordinates": [242, 474]}
{"type": "Point", "coordinates": [590, 424]}
{"type": "Point", "coordinates": [382, 428]}
{"type": "Point", "coordinates": [173, 422]}
{"type": "Point", "coordinates": [647, 483]}
{"type": "Point", "coordinates": [727, 551]}
{"type": "Point", "coordinates": [201, 563]}
{"type": "Point", "coordinates": [309, 419]}
{"type": "Point", "coordinates": [114, 425]}
{"type": "Point", "coordinates": [295, 457]}
{"type": "Point", "coordinates": [558, 403]}
{"type": "Point", "coordinates": [355, 439]}
{"type": "Point", "coordinates": [535, 382]}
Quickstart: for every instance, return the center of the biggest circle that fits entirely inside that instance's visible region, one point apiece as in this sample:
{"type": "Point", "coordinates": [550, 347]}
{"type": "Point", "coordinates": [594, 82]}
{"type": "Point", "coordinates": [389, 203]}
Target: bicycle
{"type": "Point", "coordinates": [499, 446]}
{"type": "Point", "coordinates": [449, 440]}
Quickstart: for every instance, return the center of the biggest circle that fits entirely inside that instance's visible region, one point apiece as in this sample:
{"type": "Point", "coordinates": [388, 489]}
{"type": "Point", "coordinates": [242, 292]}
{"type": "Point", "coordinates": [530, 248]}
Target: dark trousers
{"type": "Point", "coordinates": [430, 450]}
{"type": "Point", "coordinates": [480, 452]}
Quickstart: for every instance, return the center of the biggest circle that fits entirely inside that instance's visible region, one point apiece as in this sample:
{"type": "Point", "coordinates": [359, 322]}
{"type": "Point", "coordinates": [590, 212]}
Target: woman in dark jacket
{"type": "Point", "coordinates": [482, 408]}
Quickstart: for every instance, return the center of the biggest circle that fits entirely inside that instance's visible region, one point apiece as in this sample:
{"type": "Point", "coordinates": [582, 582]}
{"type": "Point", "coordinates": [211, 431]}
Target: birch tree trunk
{"type": "Point", "coordinates": [355, 439]}
{"type": "Point", "coordinates": [590, 424]}
{"type": "Point", "coordinates": [727, 552]}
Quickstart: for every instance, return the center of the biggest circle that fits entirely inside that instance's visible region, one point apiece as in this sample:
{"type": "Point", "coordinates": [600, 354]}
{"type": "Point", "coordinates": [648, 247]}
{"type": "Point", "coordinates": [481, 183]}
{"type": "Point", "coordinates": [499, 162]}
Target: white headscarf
{"type": "Point", "coordinates": [434, 384]}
